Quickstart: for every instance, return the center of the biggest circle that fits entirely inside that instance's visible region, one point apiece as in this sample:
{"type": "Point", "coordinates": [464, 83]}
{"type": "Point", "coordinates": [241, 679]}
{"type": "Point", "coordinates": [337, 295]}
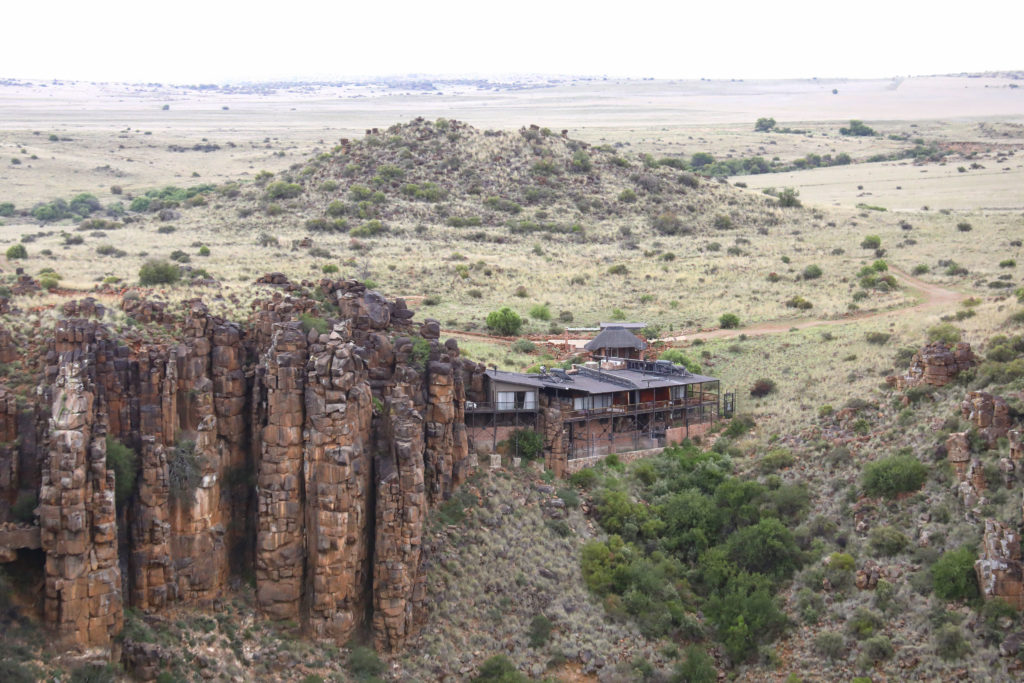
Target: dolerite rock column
{"type": "Point", "coordinates": [398, 583]}
{"type": "Point", "coordinates": [154, 582]}
{"type": "Point", "coordinates": [280, 546]}
{"type": "Point", "coordinates": [77, 516]}
{"type": "Point", "coordinates": [338, 481]}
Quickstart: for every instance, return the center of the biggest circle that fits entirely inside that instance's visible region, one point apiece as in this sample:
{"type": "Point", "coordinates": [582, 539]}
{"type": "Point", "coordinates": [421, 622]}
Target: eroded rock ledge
{"type": "Point", "coordinates": [303, 447]}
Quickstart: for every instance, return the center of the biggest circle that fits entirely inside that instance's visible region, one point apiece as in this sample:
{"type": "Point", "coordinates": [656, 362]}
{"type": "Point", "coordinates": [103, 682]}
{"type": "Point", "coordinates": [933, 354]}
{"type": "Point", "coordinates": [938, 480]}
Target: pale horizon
{"type": "Point", "coordinates": [226, 43]}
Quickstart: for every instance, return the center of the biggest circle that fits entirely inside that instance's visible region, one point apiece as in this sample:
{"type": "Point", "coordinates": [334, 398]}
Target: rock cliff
{"type": "Point", "coordinates": [303, 447]}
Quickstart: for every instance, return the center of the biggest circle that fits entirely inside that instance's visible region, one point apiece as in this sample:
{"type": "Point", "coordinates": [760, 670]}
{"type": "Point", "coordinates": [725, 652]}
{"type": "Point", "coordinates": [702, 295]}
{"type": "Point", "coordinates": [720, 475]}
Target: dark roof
{"type": "Point", "coordinates": [615, 338]}
{"type": "Point", "coordinates": [514, 378]}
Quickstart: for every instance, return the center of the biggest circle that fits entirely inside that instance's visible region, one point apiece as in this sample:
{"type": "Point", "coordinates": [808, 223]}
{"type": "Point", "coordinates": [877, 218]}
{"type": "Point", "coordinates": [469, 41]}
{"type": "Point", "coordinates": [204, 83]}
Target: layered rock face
{"type": "Point", "coordinates": [1000, 569]}
{"type": "Point", "coordinates": [936, 364]}
{"type": "Point", "coordinates": [77, 516]}
{"type": "Point", "coordinates": [307, 457]}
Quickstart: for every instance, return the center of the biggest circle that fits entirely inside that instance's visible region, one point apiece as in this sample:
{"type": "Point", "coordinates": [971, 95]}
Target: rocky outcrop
{"type": "Point", "coordinates": [989, 414]}
{"type": "Point", "coordinates": [280, 548]}
{"type": "Point", "coordinates": [306, 456]}
{"type": "Point", "coordinates": [338, 480]}
{"type": "Point", "coordinates": [77, 516]}
{"type": "Point", "coordinates": [936, 364]}
{"type": "Point", "coordinates": [1000, 569]}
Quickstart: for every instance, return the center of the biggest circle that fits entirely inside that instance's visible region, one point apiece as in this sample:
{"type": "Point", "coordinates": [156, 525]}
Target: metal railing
{"type": "Point", "coordinates": [647, 406]}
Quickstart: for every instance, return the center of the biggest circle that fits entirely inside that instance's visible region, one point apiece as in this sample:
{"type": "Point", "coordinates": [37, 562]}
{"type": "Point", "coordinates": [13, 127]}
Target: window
{"type": "Point", "coordinates": [517, 400]}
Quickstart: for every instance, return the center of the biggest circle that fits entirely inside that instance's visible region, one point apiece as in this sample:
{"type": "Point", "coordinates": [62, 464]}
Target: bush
{"type": "Point", "coordinates": [963, 226]}
{"type": "Point", "coordinates": [364, 664]}
{"type": "Point", "coordinates": [540, 312]}
{"type": "Point", "coordinates": [125, 464]}
{"type": "Point", "coordinates": [586, 478]}
{"type": "Point", "coordinates": [789, 198]}
{"type": "Point", "coordinates": [282, 190]}
{"type": "Point", "coordinates": [523, 346]}
{"type": "Point", "coordinates": [696, 667]}
{"type": "Point", "coordinates": [950, 643]}
{"type": "Point", "coordinates": [729, 321]}
{"type": "Point", "coordinates": [16, 251]}
{"type": "Point", "coordinates": [762, 387]}
{"type": "Point", "coordinates": [892, 476]}
{"type": "Point", "coordinates": [829, 644]}
{"type": "Point", "coordinates": [953, 576]}
{"type": "Point", "coordinates": [877, 338]}
{"type": "Point", "coordinates": [669, 224]}
{"type": "Point", "coordinates": [944, 333]}
{"type": "Point", "coordinates": [504, 321]}
{"type": "Point", "coordinates": [618, 269]}
{"type": "Point", "coordinates": [525, 443]}
{"type": "Point", "coordinates": [184, 471]}
{"type": "Point", "coordinates": [887, 540]}
{"type": "Point", "coordinates": [764, 125]}
{"type": "Point", "coordinates": [540, 630]}
{"type": "Point", "coordinates": [857, 129]}
{"type": "Point", "coordinates": [155, 272]}
{"type": "Point", "coordinates": [627, 196]}
{"type": "Point", "coordinates": [499, 669]}
{"type": "Point", "coordinates": [812, 272]}
{"type": "Point", "coordinates": [871, 242]}
{"type": "Point", "coordinates": [877, 649]}
{"type": "Point", "coordinates": [679, 358]}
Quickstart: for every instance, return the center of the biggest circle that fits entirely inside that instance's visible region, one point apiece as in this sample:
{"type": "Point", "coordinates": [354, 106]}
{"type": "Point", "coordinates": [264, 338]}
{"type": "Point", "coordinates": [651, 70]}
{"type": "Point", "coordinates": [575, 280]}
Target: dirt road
{"type": "Point", "coordinates": [933, 296]}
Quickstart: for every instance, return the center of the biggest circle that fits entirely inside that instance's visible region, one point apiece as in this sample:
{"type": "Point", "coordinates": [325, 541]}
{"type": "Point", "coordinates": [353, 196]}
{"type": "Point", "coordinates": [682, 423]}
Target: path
{"type": "Point", "coordinates": [934, 296]}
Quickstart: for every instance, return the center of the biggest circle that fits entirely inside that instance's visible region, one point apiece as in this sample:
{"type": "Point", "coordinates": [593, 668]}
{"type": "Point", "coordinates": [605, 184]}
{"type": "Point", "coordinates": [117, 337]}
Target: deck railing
{"type": "Point", "coordinates": [645, 407]}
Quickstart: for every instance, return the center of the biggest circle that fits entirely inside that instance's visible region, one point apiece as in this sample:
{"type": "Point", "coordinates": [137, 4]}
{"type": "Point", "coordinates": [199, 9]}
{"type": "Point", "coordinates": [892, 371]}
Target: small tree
{"type": "Point", "coordinates": [504, 321]}
{"type": "Point", "coordinates": [789, 198]}
{"type": "Point", "coordinates": [16, 251]}
{"type": "Point", "coordinates": [154, 272]}
{"type": "Point", "coordinates": [525, 443]}
{"type": "Point", "coordinates": [764, 124]}
{"type": "Point", "coordinates": [871, 242]}
{"type": "Point", "coordinates": [857, 129]}
{"type": "Point", "coordinates": [729, 321]}
{"type": "Point", "coordinates": [892, 476]}
{"type": "Point", "coordinates": [953, 575]}
{"type": "Point", "coordinates": [812, 272]}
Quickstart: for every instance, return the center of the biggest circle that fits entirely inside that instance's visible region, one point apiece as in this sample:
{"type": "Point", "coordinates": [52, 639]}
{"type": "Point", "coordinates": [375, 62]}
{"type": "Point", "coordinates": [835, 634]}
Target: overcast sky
{"type": "Point", "coordinates": [218, 41]}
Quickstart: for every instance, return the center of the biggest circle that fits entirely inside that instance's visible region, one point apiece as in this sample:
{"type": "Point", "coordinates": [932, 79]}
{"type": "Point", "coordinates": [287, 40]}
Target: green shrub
{"type": "Point", "coordinates": [586, 478]}
{"type": "Point", "coordinates": [523, 346]}
{"type": "Point", "coordinates": [282, 190]}
{"type": "Point", "coordinates": [812, 272]}
{"type": "Point", "coordinates": [155, 272]}
{"type": "Point", "coordinates": [950, 643]}
{"type": "Point", "coordinates": [679, 358]}
{"type": "Point", "coordinates": [767, 548]}
{"type": "Point", "coordinates": [892, 476]}
{"type": "Point", "coordinates": [871, 242]}
{"type": "Point", "coordinates": [17, 251]}
{"type": "Point", "coordinates": [729, 321]}
{"type": "Point", "coordinates": [876, 649]}
{"type": "Point", "coordinates": [125, 464]}
{"type": "Point", "coordinates": [696, 667]}
{"type": "Point", "coordinates": [581, 162]}
{"type": "Point", "coordinates": [504, 321]}
{"type": "Point", "coordinates": [364, 664]}
{"type": "Point", "coordinates": [312, 322]}
{"type": "Point", "coordinates": [669, 224]}
{"type": "Point", "coordinates": [877, 338]}
{"type": "Point", "coordinates": [864, 623]}
{"type": "Point", "coordinates": [857, 129]}
{"type": "Point", "coordinates": [953, 576]}
{"type": "Point", "coordinates": [789, 198]}
{"type": "Point", "coordinates": [777, 459]}
{"type": "Point", "coordinates": [6, 209]}
{"type": "Point", "coordinates": [48, 283]}
{"type": "Point", "coordinates": [627, 196]}
{"type": "Point", "coordinates": [744, 614]}
{"type": "Point", "coordinates": [944, 332]}
{"type": "Point", "coordinates": [569, 497]}
{"type": "Point", "coordinates": [540, 630]}
{"type": "Point", "coordinates": [525, 443]}
{"type": "Point", "coordinates": [829, 644]}
{"type": "Point", "coordinates": [540, 312]}
{"type": "Point", "coordinates": [618, 269]}
{"type": "Point", "coordinates": [964, 226]}
{"type": "Point", "coordinates": [499, 669]}
{"type": "Point", "coordinates": [887, 540]}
